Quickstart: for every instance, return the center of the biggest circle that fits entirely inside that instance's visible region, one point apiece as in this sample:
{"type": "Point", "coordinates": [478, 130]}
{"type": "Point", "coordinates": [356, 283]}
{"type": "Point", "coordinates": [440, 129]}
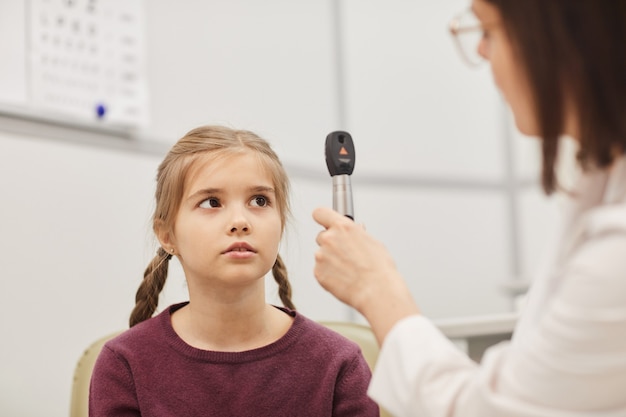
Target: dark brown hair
{"type": "Point", "coordinates": [573, 51]}
{"type": "Point", "coordinates": [171, 177]}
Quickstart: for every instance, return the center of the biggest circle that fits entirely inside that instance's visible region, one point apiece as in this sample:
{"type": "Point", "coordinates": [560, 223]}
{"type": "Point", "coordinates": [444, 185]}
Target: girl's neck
{"type": "Point", "coordinates": [246, 323]}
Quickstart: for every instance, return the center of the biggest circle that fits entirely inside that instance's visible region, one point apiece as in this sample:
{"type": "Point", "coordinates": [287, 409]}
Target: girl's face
{"type": "Point", "coordinates": [508, 74]}
{"type": "Point", "coordinates": [228, 228]}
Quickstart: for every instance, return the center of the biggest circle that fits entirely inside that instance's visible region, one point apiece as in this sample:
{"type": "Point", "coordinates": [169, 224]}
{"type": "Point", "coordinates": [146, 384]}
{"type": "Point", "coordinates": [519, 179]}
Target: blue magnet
{"type": "Point", "coordinates": [101, 110]}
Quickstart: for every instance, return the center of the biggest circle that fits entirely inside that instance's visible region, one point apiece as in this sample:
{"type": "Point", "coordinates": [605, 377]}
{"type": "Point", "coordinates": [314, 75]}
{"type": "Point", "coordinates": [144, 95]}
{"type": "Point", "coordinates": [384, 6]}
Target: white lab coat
{"type": "Point", "coordinates": [568, 354]}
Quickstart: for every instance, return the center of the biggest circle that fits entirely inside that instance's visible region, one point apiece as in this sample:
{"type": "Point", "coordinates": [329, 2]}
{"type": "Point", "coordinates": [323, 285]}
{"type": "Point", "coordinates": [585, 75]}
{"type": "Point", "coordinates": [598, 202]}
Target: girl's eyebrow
{"type": "Point", "coordinates": [204, 191]}
{"type": "Point", "coordinates": [217, 191]}
{"type": "Point", "coordinates": [262, 188]}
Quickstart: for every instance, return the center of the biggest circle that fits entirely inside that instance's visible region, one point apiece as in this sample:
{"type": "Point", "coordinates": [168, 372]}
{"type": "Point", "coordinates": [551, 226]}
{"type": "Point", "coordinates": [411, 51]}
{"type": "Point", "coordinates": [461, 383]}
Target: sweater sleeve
{"type": "Point", "coordinates": [350, 397]}
{"type": "Point", "coordinates": [112, 391]}
{"type": "Point", "coordinates": [571, 364]}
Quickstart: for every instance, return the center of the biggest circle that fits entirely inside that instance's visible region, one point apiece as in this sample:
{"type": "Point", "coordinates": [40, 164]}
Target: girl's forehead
{"type": "Point", "coordinates": [216, 164]}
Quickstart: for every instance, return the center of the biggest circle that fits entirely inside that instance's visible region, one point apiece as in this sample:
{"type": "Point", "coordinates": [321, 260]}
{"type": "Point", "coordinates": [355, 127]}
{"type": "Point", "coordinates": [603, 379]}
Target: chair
{"type": "Point", "coordinates": [358, 333]}
{"type": "Point", "coordinates": [82, 376]}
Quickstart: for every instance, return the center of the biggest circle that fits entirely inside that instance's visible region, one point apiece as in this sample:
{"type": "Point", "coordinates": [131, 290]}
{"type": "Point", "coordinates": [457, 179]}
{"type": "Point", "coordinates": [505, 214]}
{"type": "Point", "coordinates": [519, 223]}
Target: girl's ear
{"type": "Point", "coordinates": [164, 234]}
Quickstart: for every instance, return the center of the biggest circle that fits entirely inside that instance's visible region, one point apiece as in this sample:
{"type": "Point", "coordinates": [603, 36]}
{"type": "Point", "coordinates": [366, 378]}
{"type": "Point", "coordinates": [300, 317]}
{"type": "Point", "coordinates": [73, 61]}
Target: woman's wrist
{"type": "Point", "coordinates": [385, 304]}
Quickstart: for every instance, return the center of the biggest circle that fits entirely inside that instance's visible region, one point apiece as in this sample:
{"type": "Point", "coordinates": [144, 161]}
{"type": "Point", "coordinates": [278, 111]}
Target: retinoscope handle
{"type": "Point", "coordinates": [340, 159]}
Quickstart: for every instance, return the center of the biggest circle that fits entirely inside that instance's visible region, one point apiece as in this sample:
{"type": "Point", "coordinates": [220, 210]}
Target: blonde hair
{"type": "Point", "coordinates": [171, 178]}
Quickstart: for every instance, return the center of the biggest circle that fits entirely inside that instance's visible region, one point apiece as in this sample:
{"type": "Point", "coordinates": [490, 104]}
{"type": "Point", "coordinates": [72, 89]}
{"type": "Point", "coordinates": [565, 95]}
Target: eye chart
{"type": "Point", "coordinates": [86, 60]}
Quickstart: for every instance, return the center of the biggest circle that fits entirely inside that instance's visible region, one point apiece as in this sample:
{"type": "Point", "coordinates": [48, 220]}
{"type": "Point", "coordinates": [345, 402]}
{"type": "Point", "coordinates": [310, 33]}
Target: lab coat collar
{"type": "Point", "coordinates": [597, 187]}
{"type": "Point", "coordinates": [616, 185]}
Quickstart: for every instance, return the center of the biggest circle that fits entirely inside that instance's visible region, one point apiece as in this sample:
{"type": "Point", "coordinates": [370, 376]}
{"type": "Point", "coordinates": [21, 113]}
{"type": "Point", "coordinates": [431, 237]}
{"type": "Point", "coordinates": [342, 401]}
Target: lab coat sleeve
{"type": "Point", "coordinates": [571, 364]}
{"type": "Point", "coordinates": [417, 361]}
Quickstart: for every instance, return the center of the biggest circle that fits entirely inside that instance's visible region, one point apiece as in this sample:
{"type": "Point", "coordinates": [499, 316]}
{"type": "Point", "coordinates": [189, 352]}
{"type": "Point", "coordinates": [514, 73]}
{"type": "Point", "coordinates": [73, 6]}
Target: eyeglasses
{"type": "Point", "coordinates": [468, 33]}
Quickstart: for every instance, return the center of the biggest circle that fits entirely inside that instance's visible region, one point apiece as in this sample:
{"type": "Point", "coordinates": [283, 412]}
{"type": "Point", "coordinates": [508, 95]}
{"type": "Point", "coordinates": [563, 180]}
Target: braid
{"type": "Point", "coordinates": [284, 287]}
{"type": "Point", "coordinates": [147, 297]}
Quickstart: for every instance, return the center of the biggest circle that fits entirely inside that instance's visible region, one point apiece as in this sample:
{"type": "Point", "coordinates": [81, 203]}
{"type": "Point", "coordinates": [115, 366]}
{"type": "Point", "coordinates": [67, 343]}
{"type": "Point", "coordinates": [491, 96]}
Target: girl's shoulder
{"type": "Point", "coordinates": [338, 337]}
{"type": "Point", "coordinates": [146, 334]}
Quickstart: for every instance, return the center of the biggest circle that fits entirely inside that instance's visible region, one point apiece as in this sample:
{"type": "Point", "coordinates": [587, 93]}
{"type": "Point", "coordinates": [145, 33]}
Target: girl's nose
{"type": "Point", "coordinates": [239, 223]}
{"type": "Point", "coordinates": [243, 228]}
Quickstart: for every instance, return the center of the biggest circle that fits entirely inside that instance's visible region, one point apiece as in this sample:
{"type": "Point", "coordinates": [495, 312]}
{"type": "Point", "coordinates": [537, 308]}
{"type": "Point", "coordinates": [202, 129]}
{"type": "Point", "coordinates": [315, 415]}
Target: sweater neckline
{"type": "Point", "coordinates": [178, 344]}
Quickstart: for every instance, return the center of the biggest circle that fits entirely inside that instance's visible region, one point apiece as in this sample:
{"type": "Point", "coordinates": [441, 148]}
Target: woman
{"type": "Point", "coordinates": [561, 66]}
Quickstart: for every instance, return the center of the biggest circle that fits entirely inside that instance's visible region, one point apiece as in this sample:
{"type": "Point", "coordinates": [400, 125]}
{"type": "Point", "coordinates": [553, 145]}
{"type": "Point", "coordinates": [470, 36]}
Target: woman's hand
{"type": "Point", "coordinates": [358, 270]}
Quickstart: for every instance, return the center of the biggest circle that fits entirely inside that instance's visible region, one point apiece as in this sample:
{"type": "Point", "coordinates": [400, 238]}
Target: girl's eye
{"type": "Point", "coordinates": [211, 202]}
{"type": "Point", "coordinates": [259, 201]}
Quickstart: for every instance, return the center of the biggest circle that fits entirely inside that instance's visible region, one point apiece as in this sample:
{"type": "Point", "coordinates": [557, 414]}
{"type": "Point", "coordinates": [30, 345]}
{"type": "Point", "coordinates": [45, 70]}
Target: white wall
{"type": "Point", "coordinates": [74, 232]}
{"type": "Point", "coordinates": [432, 180]}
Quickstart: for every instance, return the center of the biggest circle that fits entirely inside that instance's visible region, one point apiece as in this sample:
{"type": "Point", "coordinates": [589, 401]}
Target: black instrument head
{"type": "Point", "coordinates": [340, 157]}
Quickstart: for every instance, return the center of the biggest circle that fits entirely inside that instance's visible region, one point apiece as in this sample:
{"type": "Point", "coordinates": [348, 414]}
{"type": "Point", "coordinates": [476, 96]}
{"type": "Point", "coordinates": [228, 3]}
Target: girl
{"type": "Point", "coordinates": [221, 208]}
{"type": "Point", "coordinates": [561, 66]}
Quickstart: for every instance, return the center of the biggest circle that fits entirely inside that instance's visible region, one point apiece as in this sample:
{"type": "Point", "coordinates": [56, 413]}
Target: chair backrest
{"type": "Point", "coordinates": [360, 334]}
{"type": "Point", "coordinates": [79, 402]}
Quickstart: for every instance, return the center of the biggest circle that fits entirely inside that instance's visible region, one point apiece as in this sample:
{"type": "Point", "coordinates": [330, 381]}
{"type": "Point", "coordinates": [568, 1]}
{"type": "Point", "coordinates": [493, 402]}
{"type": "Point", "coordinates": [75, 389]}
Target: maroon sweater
{"type": "Point", "coordinates": [149, 371]}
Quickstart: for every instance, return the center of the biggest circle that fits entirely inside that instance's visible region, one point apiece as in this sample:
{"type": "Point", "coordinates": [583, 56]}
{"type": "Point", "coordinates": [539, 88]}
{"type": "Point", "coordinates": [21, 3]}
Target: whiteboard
{"type": "Point", "coordinates": [79, 61]}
